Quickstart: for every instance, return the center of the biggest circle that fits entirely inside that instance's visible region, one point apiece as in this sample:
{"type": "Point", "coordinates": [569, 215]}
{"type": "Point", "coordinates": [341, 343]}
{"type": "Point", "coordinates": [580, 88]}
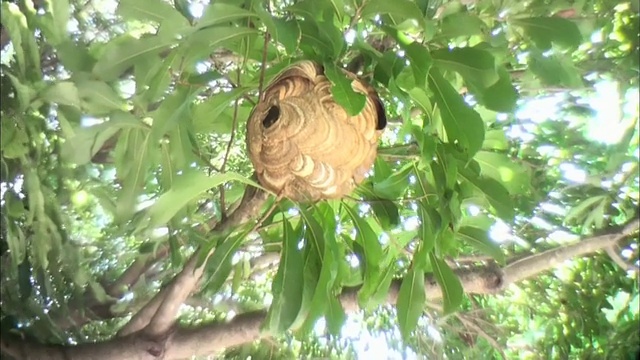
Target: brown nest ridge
{"type": "Point", "coordinates": [306, 147]}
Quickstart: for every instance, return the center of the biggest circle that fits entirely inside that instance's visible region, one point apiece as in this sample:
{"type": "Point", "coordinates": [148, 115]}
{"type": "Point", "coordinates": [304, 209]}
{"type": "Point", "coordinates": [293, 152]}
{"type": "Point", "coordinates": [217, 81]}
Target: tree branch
{"type": "Point", "coordinates": [212, 338]}
{"type": "Point", "coordinates": [532, 265]}
{"type": "Point", "coordinates": [92, 309]}
{"type": "Point", "coordinates": [478, 329]}
{"type": "Point", "coordinates": [159, 314]}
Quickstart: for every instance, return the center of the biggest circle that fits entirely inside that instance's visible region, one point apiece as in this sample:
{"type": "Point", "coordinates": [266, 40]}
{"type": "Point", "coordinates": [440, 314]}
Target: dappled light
{"type": "Point", "coordinates": [311, 179]}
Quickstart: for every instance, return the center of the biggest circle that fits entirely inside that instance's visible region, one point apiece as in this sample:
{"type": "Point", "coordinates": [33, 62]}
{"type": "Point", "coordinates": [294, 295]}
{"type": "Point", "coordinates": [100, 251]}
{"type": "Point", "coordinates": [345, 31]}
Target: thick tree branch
{"type": "Point", "coordinates": [212, 338]}
{"type": "Point", "coordinates": [90, 308]}
{"type": "Point", "coordinates": [533, 265]}
{"type": "Point", "coordinates": [159, 314]}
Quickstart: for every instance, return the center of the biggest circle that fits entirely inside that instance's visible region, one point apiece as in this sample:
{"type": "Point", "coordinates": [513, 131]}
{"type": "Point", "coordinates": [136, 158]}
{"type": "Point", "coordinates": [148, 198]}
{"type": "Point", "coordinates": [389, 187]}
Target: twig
{"type": "Point", "coordinates": [613, 254]}
{"type": "Point", "coordinates": [183, 285]}
{"type": "Point", "coordinates": [158, 315]}
{"type": "Point", "coordinates": [356, 16]}
{"type": "Point", "coordinates": [223, 210]}
{"type": "Point", "coordinates": [368, 201]}
{"type": "Point", "coordinates": [478, 329]}
{"type": "Point", "coordinates": [264, 61]}
{"type": "Point", "coordinates": [206, 161]}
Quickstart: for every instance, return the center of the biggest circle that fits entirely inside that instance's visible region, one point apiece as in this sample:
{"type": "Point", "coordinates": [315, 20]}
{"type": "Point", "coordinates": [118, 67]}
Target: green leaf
{"type": "Point", "coordinates": [286, 289]}
{"type": "Point", "coordinates": [15, 24]}
{"type": "Point", "coordinates": [311, 274]}
{"type": "Point", "coordinates": [174, 110]}
{"type": "Point", "coordinates": [512, 174]}
{"type": "Point", "coordinates": [310, 9]}
{"type": "Point", "coordinates": [420, 97]}
{"type": "Point", "coordinates": [382, 170]}
{"type": "Point", "coordinates": [555, 70]}
{"type": "Point", "coordinates": [25, 286]}
{"type": "Point", "coordinates": [461, 123]}
{"type": "Point", "coordinates": [494, 192]}
{"type": "Point", "coordinates": [218, 12]}
{"type": "Point", "coordinates": [368, 240]}
{"type": "Point", "coordinates": [419, 57]}
{"type": "Point", "coordinates": [187, 187]}
{"type": "Point", "coordinates": [399, 9]}
{"type": "Point", "coordinates": [449, 283]}
{"type": "Point", "coordinates": [153, 77]}
{"type": "Point", "coordinates": [501, 96]}
{"type": "Point", "coordinates": [25, 93]}
{"type": "Point", "coordinates": [578, 212]}
{"type": "Point", "coordinates": [15, 141]}
{"type": "Point", "coordinates": [353, 102]}
{"type": "Point", "coordinates": [379, 290]}
{"type": "Point", "coordinates": [59, 12]}
{"type": "Point", "coordinates": [545, 31]}
{"type": "Point", "coordinates": [596, 217]}
{"type": "Point", "coordinates": [62, 93]}
{"type": "Point", "coordinates": [121, 53]}
{"type": "Point", "coordinates": [395, 185]}
{"type": "Point", "coordinates": [430, 225]}
{"type": "Point", "coordinates": [388, 67]}
{"type": "Point", "coordinates": [16, 240]}
{"type": "Point", "coordinates": [132, 168]}
{"type": "Point", "coordinates": [24, 44]}
{"type": "Point", "coordinates": [339, 8]}
{"type": "Point", "coordinates": [315, 274]}
{"type": "Point", "coordinates": [288, 34]}
{"type": "Point", "coordinates": [420, 62]}
{"type": "Point", "coordinates": [319, 31]}
{"type": "Point", "coordinates": [411, 300]}
{"type": "Point", "coordinates": [332, 35]}
{"type": "Point", "coordinates": [181, 147]}
{"type": "Point", "coordinates": [423, 187]}
{"type": "Point", "coordinates": [323, 239]}
{"type": "Point", "coordinates": [460, 24]}
{"type": "Point", "coordinates": [238, 276]}
{"type": "Point", "coordinates": [200, 44]}
{"type": "Point", "coordinates": [440, 171]}
{"type": "Point", "coordinates": [202, 113]}
{"type": "Point", "coordinates": [386, 212]}
{"type": "Point", "coordinates": [477, 67]}
{"type": "Point", "coordinates": [479, 239]}
{"type": "Point", "coordinates": [335, 315]}
{"type": "Point", "coordinates": [312, 43]}
{"type": "Point", "coordinates": [74, 57]}
{"type": "Point", "coordinates": [426, 140]}
{"type": "Point", "coordinates": [174, 249]}
{"type": "Point", "coordinates": [157, 11]}
{"type": "Point", "coordinates": [87, 141]}
{"type": "Point", "coordinates": [183, 8]}
{"type": "Point", "coordinates": [98, 98]}
{"type": "Point", "coordinates": [219, 264]}
{"type": "Point", "coordinates": [495, 139]}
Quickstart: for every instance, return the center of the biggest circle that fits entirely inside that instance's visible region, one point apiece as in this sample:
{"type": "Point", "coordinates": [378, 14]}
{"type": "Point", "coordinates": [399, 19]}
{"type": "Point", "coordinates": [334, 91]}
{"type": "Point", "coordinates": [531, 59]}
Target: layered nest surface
{"type": "Point", "coordinates": [306, 147]}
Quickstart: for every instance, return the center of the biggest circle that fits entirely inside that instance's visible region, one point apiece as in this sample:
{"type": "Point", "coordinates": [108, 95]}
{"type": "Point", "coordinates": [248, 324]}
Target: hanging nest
{"type": "Point", "coordinates": [303, 145]}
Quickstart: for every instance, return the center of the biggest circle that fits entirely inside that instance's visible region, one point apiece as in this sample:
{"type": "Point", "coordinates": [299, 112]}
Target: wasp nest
{"type": "Point", "coordinates": [303, 145]}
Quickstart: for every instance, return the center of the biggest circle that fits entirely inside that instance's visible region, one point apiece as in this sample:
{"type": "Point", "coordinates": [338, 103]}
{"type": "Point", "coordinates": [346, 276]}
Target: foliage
{"type": "Point", "coordinates": [122, 138]}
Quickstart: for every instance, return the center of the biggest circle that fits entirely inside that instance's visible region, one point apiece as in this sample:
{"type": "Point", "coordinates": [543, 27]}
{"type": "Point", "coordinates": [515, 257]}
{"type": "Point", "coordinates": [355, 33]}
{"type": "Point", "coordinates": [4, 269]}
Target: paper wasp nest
{"type": "Point", "coordinates": [303, 145]}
